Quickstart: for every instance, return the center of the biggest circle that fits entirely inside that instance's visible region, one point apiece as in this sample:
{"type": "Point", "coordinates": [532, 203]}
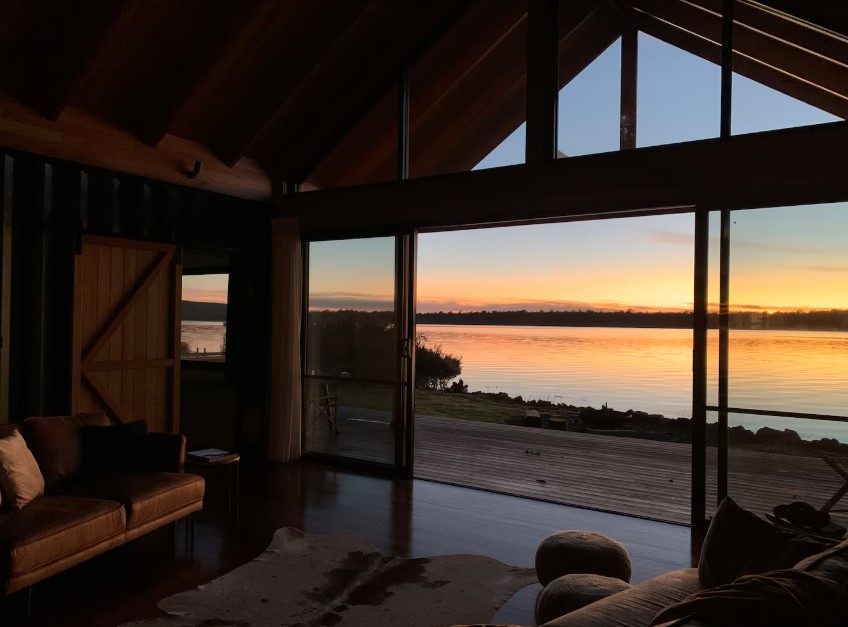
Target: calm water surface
{"type": "Point", "coordinates": [203, 335]}
{"type": "Point", "coordinates": [651, 369]}
{"type": "Point", "coordinates": [642, 369]}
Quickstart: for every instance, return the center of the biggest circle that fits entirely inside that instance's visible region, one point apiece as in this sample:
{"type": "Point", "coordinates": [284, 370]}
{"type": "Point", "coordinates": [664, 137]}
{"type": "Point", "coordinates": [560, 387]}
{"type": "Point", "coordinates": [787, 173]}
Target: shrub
{"type": "Point", "coordinates": [433, 367]}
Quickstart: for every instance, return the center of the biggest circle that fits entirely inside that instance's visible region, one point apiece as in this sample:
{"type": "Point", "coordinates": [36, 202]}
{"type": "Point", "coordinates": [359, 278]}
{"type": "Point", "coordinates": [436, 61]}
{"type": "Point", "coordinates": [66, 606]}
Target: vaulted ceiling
{"type": "Point", "coordinates": [305, 88]}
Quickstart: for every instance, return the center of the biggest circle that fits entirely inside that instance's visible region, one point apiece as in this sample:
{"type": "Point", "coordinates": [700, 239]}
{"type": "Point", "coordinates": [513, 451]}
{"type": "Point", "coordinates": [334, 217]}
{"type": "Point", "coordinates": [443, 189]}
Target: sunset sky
{"type": "Point", "coordinates": [781, 258]}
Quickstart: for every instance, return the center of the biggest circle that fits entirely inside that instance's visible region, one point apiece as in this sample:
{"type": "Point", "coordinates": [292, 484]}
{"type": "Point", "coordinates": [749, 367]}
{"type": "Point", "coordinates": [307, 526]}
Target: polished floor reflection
{"type": "Point", "coordinates": [411, 518]}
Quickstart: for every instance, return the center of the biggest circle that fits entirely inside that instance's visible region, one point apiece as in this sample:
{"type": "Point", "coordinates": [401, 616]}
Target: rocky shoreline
{"type": "Point", "coordinates": [642, 425]}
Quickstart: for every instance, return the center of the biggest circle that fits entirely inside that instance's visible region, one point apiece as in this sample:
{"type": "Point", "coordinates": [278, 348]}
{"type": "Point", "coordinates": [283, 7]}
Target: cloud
{"type": "Point", "coordinates": [829, 269]}
{"type": "Point", "coordinates": [435, 304]}
{"type": "Point", "coordinates": [675, 238]}
{"type": "Point", "coordinates": [738, 245]}
{"type": "Point", "coordinates": [201, 295]}
{"type": "Point", "coordinates": [351, 300]}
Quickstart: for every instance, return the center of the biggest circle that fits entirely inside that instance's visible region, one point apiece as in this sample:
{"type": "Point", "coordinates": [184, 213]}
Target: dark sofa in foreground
{"type": "Point", "coordinates": [750, 573]}
{"type": "Point", "coordinates": [85, 513]}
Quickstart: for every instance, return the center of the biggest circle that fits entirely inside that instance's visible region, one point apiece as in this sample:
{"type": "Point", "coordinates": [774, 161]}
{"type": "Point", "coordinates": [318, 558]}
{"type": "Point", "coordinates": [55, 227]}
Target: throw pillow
{"type": "Point", "coordinates": [6, 431]}
{"type": "Point", "coordinates": [739, 542]}
{"type": "Point", "coordinates": [20, 478]}
{"type": "Point", "coordinates": [55, 443]}
{"type": "Point", "coordinates": [114, 450]}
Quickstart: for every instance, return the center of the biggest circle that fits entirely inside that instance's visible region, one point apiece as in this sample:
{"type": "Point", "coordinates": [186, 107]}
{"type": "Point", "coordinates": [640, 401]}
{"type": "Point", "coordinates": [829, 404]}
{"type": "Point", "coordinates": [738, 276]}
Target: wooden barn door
{"type": "Point", "coordinates": [126, 331]}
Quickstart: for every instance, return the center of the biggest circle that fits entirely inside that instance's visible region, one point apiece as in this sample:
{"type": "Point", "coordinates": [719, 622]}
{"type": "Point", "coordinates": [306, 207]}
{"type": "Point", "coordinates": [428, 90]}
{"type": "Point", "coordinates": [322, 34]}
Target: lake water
{"type": "Point", "coordinates": [642, 369]}
{"type": "Point", "coordinates": [651, 370]}
{"type": "Point", "coordinates": [206, 336]}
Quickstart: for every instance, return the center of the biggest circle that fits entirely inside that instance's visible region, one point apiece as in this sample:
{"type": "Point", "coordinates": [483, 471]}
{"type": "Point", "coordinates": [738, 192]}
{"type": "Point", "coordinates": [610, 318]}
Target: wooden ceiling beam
{"type": "Point", "coordinates": [417, 28]}
{"type": "Point", "coordinates": [79, 137]}
{"type": "Point", "coordinates": [754, 47]}
{"type": "Point", "coordinates": [54, 45]}
{"type": "Point", "coordinates": [226, 27]}
{"type": "Point", "coordinates": [789, 28]}
{"type": "Point", "coordinates": [829, 14]}
{"type": "Point", "coordinates": [367, 153]}
{"type": "Point", "coordinates": [744, 171]}
{"type": "Point", "coordinates": [312, 55]}
{"type": "Point", "coordinates": [155, 57]}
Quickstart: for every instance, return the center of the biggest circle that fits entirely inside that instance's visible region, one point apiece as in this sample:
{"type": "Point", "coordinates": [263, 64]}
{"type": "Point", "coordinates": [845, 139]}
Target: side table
{"type": "Point", "coordinates": [231, 461]}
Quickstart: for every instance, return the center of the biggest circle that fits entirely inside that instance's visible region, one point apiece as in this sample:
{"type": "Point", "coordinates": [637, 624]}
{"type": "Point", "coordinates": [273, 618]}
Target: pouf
{"type": "Point", "coordinates": [571, 592]}
{"type": "Point", "coordinates": [568, 552]}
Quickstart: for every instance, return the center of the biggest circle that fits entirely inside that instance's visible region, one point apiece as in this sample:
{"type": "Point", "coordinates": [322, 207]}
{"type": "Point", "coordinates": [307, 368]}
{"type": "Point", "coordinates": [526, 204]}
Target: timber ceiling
{"type": "Point", "coordinates": [305, 87]}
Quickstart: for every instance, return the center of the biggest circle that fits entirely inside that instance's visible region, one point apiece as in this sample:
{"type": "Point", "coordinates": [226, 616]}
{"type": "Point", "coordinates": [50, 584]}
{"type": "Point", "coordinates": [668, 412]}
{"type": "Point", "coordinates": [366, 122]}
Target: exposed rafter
{"type": "Point", "coordinates": [280, 92]}
{"type": "Point", "coordinates": [418, 27]}
{"type": "Point", "coordinates": [776, 61]}
{"type": "Point", "coordinates": [52, 49]}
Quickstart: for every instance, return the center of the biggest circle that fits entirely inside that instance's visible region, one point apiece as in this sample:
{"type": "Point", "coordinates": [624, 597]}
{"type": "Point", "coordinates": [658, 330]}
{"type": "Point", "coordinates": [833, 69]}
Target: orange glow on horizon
{"type": "Point", "coordinates": [201, 295]}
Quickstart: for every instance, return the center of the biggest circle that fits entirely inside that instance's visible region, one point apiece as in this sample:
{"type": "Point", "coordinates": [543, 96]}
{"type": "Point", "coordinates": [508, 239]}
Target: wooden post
{"type": "Point", "coordinates": [542, 80]}
{"type": "Point", "coordinates": [699, 369]}
{"type": "Point", "coordinates": [629, 76]}
{"type": "Point", "coordinates": [6, 284]}
{"type": "Point", "coordinates": [723, 354]}
{"type": "Point", "coordinates": [726, 66]}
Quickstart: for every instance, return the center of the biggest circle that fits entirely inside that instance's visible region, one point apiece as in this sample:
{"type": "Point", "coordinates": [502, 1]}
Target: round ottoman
{"type": "Point", "coordinates": [571, 592]}
{"type": "Point", "coordinates": [569, 552]}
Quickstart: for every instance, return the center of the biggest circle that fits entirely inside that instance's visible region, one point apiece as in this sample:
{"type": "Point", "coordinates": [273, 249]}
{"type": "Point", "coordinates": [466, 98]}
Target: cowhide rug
{"type": "Point", "coordinates": [343, 581]}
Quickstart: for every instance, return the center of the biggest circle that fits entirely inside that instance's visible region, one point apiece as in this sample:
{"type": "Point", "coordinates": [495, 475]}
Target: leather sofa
{"type": "Point", "coordinates": [82, 515]}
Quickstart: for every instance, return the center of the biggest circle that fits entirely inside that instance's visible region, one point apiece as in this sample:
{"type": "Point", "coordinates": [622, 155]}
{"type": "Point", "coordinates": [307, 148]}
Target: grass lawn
{"type": "Point", "coordinates": [480, 407]}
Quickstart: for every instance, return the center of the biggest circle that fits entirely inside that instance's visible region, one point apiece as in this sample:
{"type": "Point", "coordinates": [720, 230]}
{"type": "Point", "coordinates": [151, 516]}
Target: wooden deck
{"type": "Point", "coordinates": [644, 478]}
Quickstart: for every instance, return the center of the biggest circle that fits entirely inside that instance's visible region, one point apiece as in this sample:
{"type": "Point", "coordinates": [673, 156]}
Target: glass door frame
{"type": "Point", "coordinates": [404, 358]}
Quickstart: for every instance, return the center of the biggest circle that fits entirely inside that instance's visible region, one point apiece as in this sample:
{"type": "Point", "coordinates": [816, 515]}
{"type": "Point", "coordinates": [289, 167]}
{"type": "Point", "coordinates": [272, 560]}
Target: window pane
{"type": "Point", "coordinates": [789, 309]}
{"type": "Point", "coordinates": [574, 344]}
{"type": "Point", "coordinates": [589, 109]}
{"type": "Point", "coordinates": [350, 419]}
{"type": "Point", "coordinates": [204, 317]}
{"type": "Point", "coordinates": [773, 460]}
{"type": "Point", "coordinates": [351, 322]}
{"type": "Point", "coordinates": [678, 95]}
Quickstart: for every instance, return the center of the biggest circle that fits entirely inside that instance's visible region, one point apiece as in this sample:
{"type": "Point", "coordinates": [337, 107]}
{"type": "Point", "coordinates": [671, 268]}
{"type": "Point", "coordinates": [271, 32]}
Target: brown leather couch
{"type": "Point", "coordinates": [80, 516]}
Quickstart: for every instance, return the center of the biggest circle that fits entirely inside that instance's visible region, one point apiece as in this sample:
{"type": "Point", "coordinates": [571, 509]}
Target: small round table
{"type": "Point", "coordinates": [231, 461]}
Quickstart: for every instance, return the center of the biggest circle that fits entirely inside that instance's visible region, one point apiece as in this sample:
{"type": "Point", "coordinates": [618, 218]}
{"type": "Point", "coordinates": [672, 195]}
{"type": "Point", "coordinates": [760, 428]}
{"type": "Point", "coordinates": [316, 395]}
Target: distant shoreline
{"type": "Point", "coordinates": [834, 320]}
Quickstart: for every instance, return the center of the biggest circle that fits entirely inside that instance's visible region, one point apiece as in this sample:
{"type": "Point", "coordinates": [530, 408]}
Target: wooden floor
{"type": "Point", "coordinates": [402, 517]}
{"type": "Point", "coordinates": [644, 478]}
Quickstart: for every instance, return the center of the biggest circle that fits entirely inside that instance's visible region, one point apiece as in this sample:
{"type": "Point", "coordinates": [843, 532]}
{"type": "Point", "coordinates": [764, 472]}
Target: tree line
{"type": "Point", "coordinates": [832, 320]}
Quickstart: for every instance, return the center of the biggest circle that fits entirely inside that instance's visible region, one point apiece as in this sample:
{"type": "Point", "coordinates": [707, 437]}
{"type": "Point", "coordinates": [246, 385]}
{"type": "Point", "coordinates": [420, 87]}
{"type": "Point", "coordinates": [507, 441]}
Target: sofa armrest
{"type": "Point", "coordinates": [165, 452]}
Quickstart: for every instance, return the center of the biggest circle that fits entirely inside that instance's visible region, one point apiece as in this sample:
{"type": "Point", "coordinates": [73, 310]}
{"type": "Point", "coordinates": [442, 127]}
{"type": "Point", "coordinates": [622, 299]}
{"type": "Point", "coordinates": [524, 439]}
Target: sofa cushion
{"type": "Point", "coordinates": [55, 443]}
{"type": "Point", "coordinates": [146, 496]}
{"type": "Point", "coordinates": [637, 606]}
{"type": "Point", "coordinates": [20, 477]}
{"type": "Point", "coordinates": [739, 542]}
{"type": "Point", "coordinates": [782, 597]}
{"type": "Point", "coordinates": [52, 527]}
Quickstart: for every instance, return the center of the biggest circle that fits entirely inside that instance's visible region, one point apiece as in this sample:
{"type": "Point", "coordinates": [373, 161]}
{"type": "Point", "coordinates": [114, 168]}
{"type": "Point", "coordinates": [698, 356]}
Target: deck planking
{"type": "Point", "coordinates": [645, 478]}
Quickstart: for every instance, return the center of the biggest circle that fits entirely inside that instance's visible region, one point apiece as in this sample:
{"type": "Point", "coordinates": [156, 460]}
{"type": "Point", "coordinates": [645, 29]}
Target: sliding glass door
{"type": "Point", "coordinates": [356, 358]}
{"type": "Point", "coordinates": [778, 397]}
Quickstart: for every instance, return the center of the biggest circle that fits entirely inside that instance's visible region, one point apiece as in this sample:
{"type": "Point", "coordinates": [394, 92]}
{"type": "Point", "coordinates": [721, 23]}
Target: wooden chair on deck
{"type": "Point", "coordinates": [840, 467]}
{"type": "Point", "coordinates": [323, 406]}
